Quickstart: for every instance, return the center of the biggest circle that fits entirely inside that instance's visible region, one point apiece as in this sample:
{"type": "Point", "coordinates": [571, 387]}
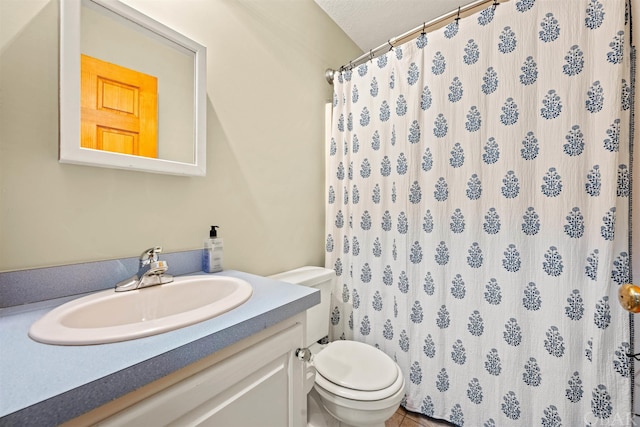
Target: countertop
{"type": "Point", "coordinates": [43, 384]}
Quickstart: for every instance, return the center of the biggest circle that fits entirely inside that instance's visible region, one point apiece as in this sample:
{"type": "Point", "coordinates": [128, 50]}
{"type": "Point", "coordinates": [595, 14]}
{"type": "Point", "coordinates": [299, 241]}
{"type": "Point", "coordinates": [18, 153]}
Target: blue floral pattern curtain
{"type": "Point", "coordinates": [477, 218]}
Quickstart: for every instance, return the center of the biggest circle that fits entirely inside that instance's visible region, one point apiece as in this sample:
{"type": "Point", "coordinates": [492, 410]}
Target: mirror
{"type": "Point", "coordinates": [168, 114]}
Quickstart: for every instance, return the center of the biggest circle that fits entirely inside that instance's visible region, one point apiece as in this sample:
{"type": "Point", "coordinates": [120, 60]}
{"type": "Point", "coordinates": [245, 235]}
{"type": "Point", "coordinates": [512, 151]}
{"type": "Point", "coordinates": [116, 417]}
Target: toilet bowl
{"type": "Point", "coordinates": [350, 384]}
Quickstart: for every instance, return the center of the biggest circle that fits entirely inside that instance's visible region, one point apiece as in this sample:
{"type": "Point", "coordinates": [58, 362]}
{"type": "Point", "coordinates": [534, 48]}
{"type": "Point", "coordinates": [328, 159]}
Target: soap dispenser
{"type": "Point", "coordinates": [213, 251]}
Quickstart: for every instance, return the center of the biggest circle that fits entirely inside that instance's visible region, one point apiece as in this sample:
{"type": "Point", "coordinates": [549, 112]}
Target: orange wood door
{"type": "Point", "coordinates": [119, 109]}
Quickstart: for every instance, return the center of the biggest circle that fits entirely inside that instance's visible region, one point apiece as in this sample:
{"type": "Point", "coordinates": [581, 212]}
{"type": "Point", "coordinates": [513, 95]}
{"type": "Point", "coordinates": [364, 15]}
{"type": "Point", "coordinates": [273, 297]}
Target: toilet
{"type": "Point", "coordinates": [349, 383]}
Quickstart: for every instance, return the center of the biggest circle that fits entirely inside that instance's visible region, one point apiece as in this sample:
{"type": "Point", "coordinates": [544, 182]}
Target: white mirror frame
{"type": "Point", "coordinates": [70, 150]}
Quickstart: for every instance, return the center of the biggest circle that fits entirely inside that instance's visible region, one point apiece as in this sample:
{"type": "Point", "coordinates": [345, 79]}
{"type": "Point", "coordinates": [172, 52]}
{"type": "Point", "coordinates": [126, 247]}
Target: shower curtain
{"type": "Point", "coordinates": [478, 185]}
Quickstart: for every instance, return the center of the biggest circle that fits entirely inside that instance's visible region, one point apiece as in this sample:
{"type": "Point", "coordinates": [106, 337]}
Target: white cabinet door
{"type": "Point", "coordinates": [259, 386]}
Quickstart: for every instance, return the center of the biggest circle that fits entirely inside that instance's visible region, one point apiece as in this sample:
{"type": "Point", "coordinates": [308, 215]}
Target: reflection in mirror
{"type": "Point", "coordinates": [119, 109]}
{"type": "Point", "coordinates": [132, 91]}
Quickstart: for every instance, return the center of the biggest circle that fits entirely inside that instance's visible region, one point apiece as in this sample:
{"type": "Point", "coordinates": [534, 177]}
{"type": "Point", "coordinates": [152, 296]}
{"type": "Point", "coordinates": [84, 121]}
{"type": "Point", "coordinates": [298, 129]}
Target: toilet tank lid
{"type": "Point", "coordinates": [306, 276]}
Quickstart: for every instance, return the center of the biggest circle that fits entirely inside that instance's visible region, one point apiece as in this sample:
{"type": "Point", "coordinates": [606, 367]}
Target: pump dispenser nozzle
{"type": "Point", "coordinates": [214, 232]}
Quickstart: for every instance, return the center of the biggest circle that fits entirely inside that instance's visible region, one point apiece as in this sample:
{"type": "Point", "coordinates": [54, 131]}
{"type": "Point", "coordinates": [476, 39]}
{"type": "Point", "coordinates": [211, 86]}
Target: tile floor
{"type": "Point", "coordinates": [404, 418]}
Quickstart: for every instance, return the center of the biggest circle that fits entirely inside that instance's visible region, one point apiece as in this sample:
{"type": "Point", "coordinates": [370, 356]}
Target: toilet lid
{"type": "Point", "coordinates": [356, 365]}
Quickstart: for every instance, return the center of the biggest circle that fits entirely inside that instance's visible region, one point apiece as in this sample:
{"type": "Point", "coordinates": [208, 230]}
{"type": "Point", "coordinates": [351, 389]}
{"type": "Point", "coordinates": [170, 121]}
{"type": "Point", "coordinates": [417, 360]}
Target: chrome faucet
{"type": "Point", "coordinates": [150, 273]}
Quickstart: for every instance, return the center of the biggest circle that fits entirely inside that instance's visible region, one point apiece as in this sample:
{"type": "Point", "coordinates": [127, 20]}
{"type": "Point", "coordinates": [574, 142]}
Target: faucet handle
{"type": "Point", "coordinates": [150, 255]}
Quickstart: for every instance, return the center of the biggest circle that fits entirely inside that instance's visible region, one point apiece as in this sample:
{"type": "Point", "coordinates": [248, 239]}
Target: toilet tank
{"type": "Point", "coordinates": [318, 315]}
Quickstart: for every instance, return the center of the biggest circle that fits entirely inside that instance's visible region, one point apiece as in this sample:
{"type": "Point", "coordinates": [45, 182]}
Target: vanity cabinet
{"type": "Point", "coordinates": [255, 382]}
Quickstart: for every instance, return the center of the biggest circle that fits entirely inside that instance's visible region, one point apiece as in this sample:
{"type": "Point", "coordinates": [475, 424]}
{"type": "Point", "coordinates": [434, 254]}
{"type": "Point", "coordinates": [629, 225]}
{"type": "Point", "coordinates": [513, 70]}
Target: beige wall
{"type": "Point", "coordinates": [265, 179]}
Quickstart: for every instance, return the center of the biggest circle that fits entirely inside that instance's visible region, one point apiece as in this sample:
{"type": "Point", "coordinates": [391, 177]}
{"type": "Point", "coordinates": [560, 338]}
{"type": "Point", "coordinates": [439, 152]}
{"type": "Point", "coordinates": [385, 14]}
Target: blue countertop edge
{"type": "Point", "coordinates": [48, 385]}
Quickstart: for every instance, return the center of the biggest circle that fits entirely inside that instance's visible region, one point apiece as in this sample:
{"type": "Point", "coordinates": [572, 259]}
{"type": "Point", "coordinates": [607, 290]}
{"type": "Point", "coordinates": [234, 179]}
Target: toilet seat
{"type": "Point", "coordinates": [359, 395]}
{"type": "Point", "coordinates": [357, 371]}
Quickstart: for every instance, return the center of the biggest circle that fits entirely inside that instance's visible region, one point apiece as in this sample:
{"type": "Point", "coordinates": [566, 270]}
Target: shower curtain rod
{"type": "Point", "coordinates": [434, 24]}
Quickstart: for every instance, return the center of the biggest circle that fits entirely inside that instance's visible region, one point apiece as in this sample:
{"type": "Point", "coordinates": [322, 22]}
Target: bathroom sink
{"type": "Point", "coordinates": [109, 316]}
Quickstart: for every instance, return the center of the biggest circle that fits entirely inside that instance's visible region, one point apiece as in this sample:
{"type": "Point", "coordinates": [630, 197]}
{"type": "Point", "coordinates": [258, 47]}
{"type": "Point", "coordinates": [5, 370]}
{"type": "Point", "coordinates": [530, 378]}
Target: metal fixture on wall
{"type": "Point", "coordinates": [629, 297]}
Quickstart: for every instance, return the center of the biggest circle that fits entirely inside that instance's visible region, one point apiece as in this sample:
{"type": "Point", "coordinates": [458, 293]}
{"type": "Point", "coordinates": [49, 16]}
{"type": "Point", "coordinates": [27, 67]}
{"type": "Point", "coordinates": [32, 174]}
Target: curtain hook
{"type": "Point", "coordinates": [390, 44]}
{"type": "Point", "coordinates": [635, 356]}
{"type": "Point", "coordinates": [371, 55]}
{"type": "Point", "coordinates": [495, 4]}
{"type": "Point", "coordinates": [350, 65]}
{"type": "Point", "coordinates": [424, 28]}
{"type": "Point", "coordinates": [458, 17]}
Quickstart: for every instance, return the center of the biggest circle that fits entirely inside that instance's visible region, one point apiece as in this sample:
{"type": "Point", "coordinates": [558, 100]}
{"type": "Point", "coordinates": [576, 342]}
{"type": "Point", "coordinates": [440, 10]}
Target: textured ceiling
{"type": "Point", "coordinates": [370, 23]}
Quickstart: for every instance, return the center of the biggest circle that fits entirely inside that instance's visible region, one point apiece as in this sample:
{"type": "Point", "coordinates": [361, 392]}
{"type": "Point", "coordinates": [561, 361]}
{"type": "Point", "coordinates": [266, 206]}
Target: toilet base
{"type": "Point", "coordinates": [326, 414]}
{"type": "Point", "coordinates": [341, 414]}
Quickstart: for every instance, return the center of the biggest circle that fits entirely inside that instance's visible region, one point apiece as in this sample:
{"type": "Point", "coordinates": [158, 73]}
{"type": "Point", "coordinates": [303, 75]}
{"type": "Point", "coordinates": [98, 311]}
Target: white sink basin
{"type": "Point", "coordinates": [110, 316]}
